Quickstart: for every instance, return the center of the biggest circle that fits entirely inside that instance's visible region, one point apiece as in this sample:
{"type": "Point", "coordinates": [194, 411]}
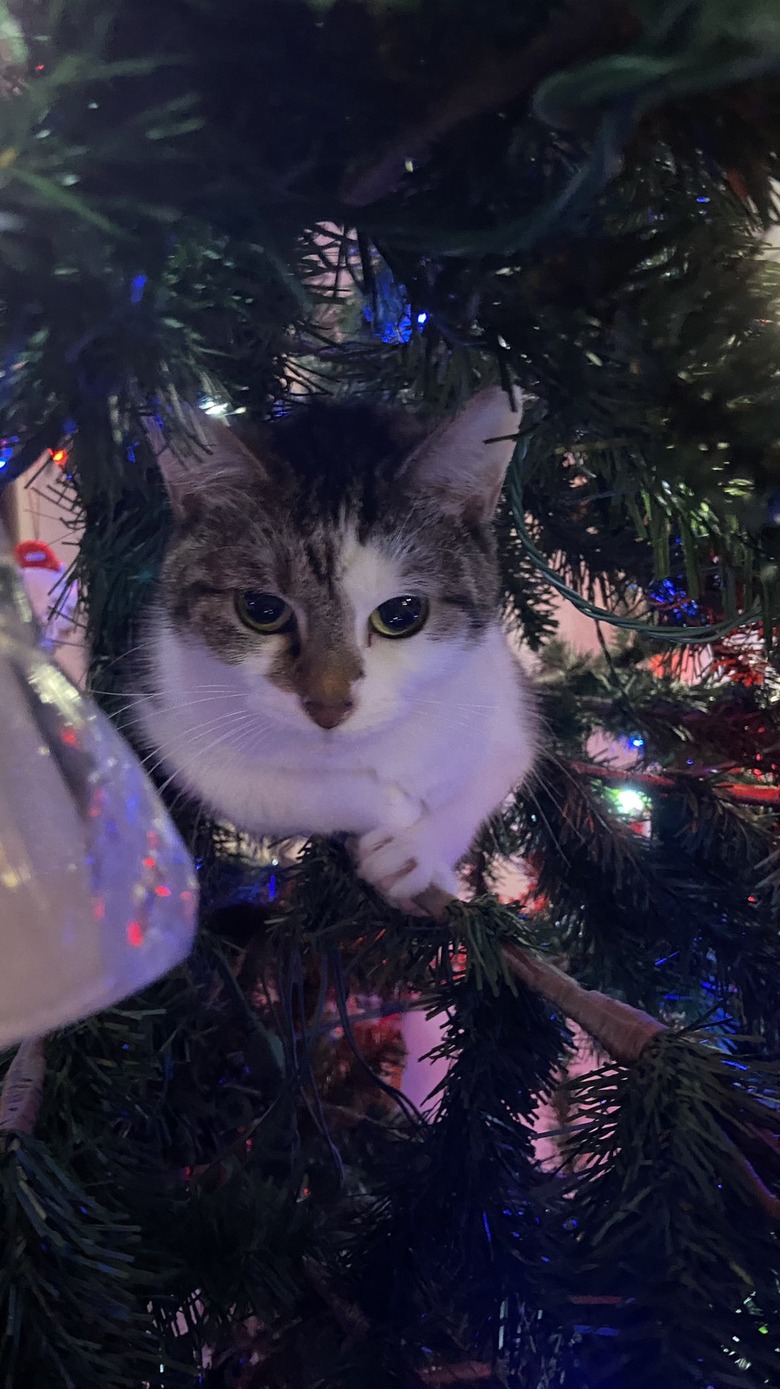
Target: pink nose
{"type": "Point", "coordinates": [328, 713]}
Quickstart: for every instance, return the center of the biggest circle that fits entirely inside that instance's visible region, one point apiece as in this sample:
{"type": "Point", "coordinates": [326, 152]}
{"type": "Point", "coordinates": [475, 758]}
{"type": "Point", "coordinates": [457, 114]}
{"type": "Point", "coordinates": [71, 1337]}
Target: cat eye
{"type": "Point", "coordinates": [400, 617]}
{"type": "Point", "coordinates": [263, 612]}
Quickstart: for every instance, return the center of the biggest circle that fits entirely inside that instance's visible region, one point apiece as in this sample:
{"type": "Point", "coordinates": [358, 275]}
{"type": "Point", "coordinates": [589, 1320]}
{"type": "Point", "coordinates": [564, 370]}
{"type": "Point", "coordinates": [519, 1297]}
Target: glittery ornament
{"type": "Point", "coordinates": [97, 892]}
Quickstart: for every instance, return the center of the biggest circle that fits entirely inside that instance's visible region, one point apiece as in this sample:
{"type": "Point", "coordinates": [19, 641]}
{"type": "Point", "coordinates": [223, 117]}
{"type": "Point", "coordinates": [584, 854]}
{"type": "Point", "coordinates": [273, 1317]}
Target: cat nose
{"type": "Point", "coordinates": [328, 713]}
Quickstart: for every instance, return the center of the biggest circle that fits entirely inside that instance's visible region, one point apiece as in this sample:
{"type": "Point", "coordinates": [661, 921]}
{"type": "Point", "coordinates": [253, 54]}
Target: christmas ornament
{"type": "Point", "coordinates": [53, 600]}
{"type": "Point", "coordinates": [97, 893]}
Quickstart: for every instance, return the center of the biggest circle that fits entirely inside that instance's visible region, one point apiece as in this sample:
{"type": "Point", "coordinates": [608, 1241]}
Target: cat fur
{"type": "Point", "coordinates": [340, 508]}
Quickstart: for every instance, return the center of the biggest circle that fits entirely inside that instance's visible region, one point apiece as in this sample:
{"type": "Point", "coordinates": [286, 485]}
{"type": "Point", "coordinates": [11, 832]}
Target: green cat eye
{"type": "Point", "coordinates": [263, 612]}
{"type": "Point", "coordinates": [400, 617]}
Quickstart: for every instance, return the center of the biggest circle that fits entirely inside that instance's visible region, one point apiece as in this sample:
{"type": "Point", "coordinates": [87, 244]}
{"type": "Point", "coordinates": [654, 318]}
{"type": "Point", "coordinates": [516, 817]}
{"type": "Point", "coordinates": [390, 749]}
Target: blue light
{"type": "Point", "coordinates": [702, 200]}
{"type": "Point", "coordinates": [137, 287]}
{"type": "Point", "coordinates": [636, 740]}
{"type": "Point", "coordinates": [666, 591]}
{"type": "Point", "coordinates": [389, 314]}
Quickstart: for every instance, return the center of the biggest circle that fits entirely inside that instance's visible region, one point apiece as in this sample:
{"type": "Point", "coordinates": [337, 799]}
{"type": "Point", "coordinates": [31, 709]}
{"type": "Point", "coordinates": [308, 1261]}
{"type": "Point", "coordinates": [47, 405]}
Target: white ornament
{"type": "Point", "coordinates": [98, 895]}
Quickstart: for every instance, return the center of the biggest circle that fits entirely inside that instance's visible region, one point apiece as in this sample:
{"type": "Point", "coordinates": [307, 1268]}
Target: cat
{"type": "Point", "coordinates": [325, 651]}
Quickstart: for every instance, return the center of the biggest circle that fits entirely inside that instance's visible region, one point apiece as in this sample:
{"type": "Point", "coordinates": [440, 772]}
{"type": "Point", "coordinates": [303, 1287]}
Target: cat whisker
{"type": "Point", "coordinates": [195, 736]}
{"type": "Point", "coordinates": [215, 743]}
{"type": "Point", "coordinates": [133, 701]}
{"type": "Point", "coordinates": [188, 735]}
{"type": "Point", "coordinates": [129, 651]}
{"type": "Point", "coordinates": [533, 797]}
{"type": "Point", "coordinates": [451, 706]}
{"type": "Point", "coordinates": [192, 735]}
{"type": "Point", "coordinates": [466, 705]}
{"type": "Point", "coordinates": [153, 690]}
{"type": "Point", "coordinates": [465, 724]}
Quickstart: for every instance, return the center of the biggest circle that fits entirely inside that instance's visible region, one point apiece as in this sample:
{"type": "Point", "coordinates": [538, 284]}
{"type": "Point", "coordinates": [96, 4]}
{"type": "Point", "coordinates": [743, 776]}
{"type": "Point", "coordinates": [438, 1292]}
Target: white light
{"type": "Point", "coordinates": [629, 802]}
{"type": "Point", "coordinates": [214, 407]}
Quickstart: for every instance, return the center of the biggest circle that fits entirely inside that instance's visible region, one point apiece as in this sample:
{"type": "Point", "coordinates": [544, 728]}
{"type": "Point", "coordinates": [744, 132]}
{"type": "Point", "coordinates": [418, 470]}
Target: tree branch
{"type": "Point", "coordinates": [623, 1031]}
{"type": "Point", "coordinates": [664, 781]}
{"type": "Point", "coordinates": [496, 78]}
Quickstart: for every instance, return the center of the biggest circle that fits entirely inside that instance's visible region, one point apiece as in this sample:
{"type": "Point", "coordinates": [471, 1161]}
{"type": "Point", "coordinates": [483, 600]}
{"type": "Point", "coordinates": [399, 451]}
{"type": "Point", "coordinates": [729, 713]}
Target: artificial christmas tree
{"type": "Point", "coordinates": [236, 205]}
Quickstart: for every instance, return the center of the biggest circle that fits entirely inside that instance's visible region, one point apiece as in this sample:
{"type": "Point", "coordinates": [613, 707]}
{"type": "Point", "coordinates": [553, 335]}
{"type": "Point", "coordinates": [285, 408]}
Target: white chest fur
{"type": "Point", "coordinates": [447, 760]}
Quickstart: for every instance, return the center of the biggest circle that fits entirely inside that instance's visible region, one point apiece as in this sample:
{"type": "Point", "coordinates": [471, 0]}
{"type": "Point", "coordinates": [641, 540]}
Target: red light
{"type": "Point", "coordinates": [162, 891]}
{"type": "Point", "coordinates": [99, 909]}
{"type": "Point", "coordinates": [149, 862]}
{"type": "Point", "coordinates": [59, 456]}
{"type": "Point", "coordinates": [70, 738]}
{"type": "Point", "coordinates": [135, 933]}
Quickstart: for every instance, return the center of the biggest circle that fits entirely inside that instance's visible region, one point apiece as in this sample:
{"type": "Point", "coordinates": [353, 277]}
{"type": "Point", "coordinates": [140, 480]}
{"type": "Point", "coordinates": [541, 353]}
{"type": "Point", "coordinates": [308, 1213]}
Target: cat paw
{"type": "Point", "coordinates": [402, 866]}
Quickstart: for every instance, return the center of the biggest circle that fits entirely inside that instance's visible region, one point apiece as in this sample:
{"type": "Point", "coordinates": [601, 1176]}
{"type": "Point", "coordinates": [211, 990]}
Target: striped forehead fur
{"type": "Point", "coordinates": [327, 479]}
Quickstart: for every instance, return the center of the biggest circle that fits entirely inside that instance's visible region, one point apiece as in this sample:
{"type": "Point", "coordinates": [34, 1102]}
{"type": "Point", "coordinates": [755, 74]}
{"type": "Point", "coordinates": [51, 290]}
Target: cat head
{"type": "Point", "coordinates": [333, 573]}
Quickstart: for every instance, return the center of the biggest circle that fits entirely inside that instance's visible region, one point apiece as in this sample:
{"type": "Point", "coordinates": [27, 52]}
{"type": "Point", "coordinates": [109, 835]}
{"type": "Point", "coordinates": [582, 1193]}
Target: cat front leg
{"type": "Point", "coordinates": [350, 803]}
{"type": "Point", "coordinates": [402, 864]}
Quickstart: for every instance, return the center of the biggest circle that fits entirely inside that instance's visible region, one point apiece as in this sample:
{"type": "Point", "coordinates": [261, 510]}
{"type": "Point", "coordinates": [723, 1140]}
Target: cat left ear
{"type": "Point", "coordinates": [464, 462]}
{"type": "Point", "coordinates": [206, 458]}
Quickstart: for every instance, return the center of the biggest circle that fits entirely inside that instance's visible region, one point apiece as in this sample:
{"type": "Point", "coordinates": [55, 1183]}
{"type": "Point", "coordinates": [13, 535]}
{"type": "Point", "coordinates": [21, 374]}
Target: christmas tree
{"type": "Point", "coordinates": [220, 1181]}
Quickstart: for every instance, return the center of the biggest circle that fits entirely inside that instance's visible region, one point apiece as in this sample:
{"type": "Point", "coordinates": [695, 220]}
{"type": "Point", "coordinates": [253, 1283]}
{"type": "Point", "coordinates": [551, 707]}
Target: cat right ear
{"type": "Point", "coordinates": [205, 457]}
{"type": "Point", "coordinates": [463, 463]}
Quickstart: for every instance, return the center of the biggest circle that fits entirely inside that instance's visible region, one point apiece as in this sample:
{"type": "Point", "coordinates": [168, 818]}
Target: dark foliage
{"type": "Point", "coordinates": [404, 200]}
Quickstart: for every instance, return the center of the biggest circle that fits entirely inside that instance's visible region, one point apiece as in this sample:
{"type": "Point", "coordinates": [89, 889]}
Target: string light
{"type": "Point", "coordinates": [214, 407]}
{"type": "Point", "coordinates": [630, 802]}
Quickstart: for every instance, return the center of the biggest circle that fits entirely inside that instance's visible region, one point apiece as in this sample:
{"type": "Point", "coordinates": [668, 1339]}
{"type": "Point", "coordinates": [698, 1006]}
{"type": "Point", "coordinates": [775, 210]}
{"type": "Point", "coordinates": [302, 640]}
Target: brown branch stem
{"type": "Point", "coordinates": [621, 1030]}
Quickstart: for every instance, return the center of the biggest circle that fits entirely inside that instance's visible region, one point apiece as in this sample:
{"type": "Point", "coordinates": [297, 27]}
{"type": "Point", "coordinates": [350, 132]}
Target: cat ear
{"type": "Point", "coordinates": [463, 463]}
{"type": "Point", "coordinates": [205, 457]}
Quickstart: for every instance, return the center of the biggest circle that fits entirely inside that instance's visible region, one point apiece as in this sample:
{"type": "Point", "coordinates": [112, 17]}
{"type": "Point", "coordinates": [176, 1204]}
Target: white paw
{"type": "Point", "coordinates": [401, 865]}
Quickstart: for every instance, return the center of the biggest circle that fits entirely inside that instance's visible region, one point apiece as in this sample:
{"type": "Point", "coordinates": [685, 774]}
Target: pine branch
{"type": "Point", "coordinates": [495, 78]}
{"type": "Point", "coordinates": [765, 796]}
{"type": "Point", "coordinates": [466, 1373]}
{"type": "Point", "coordinates": [623, 1031]}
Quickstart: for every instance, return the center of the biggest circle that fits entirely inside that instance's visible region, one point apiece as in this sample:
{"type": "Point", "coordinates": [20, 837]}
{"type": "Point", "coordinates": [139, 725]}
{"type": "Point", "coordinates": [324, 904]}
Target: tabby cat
{"type": "Point", "coordinates": [325, 652]}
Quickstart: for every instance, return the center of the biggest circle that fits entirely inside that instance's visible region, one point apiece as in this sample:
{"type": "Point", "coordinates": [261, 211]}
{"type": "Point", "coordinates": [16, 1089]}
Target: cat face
{"type": "Point", "coordinates": [330, 582]}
